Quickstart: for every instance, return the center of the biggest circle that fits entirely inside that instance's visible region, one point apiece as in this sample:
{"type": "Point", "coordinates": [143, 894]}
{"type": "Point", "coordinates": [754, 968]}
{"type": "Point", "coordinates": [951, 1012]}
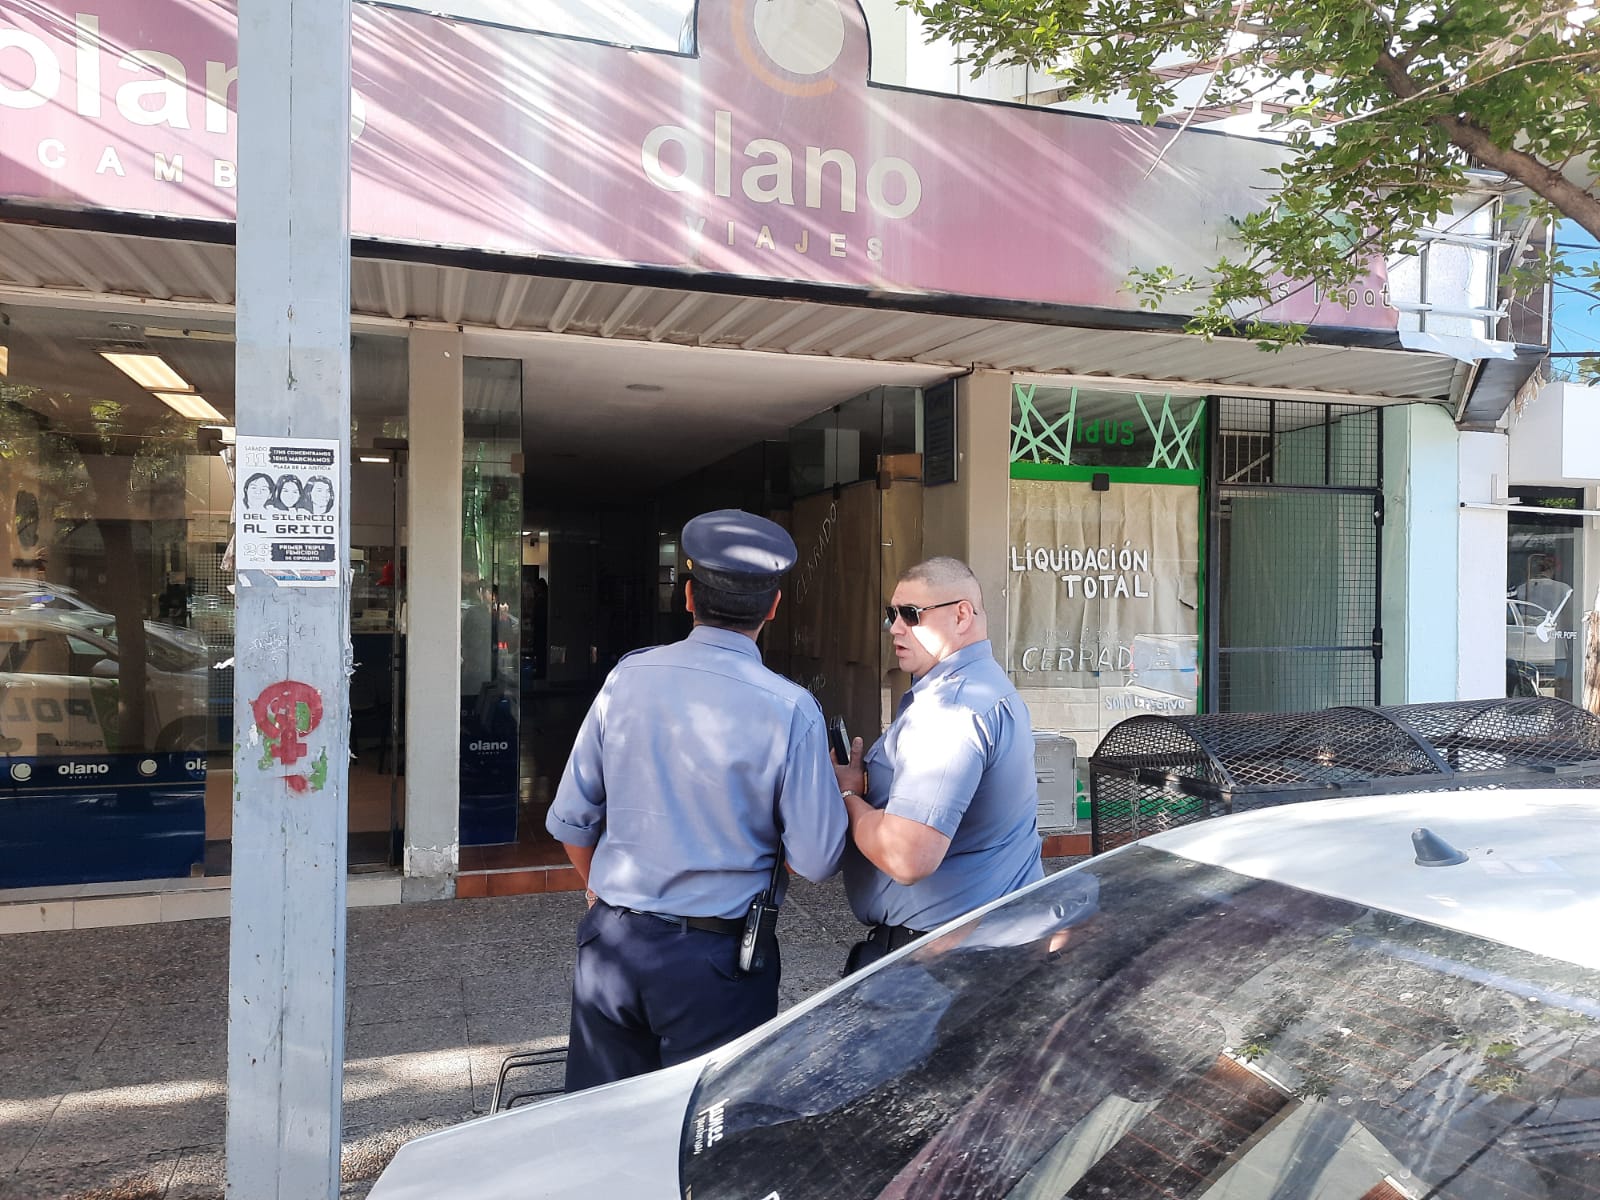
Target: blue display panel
{"type": "Point", "coordinates": [489, 771]}
{"type": "Point", "coordinates": [100, 817]}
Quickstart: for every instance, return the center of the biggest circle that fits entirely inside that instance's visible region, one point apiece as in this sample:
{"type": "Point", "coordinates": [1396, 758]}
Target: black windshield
{"type": "Point", "coordinates": [1153, 1027]}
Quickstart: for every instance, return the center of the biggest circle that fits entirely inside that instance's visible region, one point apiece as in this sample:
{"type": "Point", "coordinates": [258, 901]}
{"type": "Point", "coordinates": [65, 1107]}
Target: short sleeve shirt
{"type": "Point", "coordinates": [690, 765]}
{"type": "Point", "coordinates": [958, 758]}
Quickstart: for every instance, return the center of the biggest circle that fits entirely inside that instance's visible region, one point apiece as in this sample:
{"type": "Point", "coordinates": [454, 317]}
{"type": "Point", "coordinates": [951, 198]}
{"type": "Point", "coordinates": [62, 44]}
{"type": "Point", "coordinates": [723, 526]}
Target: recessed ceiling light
{"type": "Point", "coordinates": [147, 370]}
{"type": "Point", "coordinates": [644, 387]}
{"type": "Point", "coordinates": [192, 407]}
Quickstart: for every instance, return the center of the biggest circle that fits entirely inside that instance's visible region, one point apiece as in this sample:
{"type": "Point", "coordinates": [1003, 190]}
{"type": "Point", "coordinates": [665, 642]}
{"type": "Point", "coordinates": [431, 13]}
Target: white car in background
{"type": "Point", "coordinates": [1298, 1002]}
{"type": "Point", "coordinates": [30, 595]}
{"type": "Point", "coordinates": [61, 679]}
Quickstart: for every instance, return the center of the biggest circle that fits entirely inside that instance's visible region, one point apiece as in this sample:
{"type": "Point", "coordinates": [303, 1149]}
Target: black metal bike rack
{"type": "Point", "coordinates": [1155, 772]}
{"type": "Point", "coordinates": [549, 1063]}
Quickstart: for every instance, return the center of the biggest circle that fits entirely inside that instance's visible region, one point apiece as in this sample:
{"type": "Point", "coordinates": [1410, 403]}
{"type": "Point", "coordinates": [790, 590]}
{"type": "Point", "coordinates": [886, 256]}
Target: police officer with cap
{"type": "Point", "coordinates": [695, 767]}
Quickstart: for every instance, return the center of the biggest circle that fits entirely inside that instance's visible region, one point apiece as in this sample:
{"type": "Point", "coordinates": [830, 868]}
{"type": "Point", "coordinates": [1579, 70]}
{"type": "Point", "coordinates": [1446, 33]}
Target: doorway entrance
{"type": "Point", "coordinates": [1296, 514]}
{"type": "Point", "coordinates": [618, 445]}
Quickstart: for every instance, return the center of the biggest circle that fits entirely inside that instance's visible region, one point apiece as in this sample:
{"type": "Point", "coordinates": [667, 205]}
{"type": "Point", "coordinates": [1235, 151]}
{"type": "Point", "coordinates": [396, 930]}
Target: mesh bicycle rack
{"type": "Point", "coordinates": [1153, 772]}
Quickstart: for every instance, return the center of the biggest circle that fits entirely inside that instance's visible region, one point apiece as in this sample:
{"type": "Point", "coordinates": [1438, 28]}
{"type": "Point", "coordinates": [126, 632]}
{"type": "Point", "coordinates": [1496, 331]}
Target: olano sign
{"type": "Point", "coordinates": [766, 154]}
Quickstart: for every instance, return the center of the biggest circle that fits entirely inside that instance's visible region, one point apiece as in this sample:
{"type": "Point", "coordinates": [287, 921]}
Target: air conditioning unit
{"type": "Point", "coordinates": [1055, 766]}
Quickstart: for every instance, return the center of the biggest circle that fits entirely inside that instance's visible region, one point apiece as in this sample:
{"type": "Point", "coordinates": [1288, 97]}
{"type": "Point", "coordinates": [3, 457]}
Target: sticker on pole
{"type": "Point", "coordinates": [287, 507]}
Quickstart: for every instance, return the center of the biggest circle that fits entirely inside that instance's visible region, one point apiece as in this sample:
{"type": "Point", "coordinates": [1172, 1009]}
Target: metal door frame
{"type": "Point", "coordinates": [1215, 489]}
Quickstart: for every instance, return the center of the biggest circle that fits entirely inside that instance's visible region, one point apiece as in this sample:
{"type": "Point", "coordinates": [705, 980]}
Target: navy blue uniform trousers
{"type": "Point", "coordinates": [648, 993]}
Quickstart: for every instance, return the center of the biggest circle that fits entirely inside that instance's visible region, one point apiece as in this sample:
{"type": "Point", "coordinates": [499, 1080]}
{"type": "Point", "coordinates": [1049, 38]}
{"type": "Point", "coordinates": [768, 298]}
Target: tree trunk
{"type": "Point", "coordinates": [1540, 178]}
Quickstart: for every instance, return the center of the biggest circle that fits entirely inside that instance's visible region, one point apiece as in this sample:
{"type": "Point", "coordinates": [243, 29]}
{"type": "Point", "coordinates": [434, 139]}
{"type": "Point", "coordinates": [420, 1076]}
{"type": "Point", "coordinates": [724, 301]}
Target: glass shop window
{"type": "Point", "coordinates": [1542, 611]}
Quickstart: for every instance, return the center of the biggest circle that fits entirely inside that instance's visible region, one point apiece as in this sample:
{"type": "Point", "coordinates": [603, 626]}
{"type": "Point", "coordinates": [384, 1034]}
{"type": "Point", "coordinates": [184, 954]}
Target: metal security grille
{"type": "Point", "coordinates": [1157, 772]}
{"type": "Point", "coordinates": [1296, 510]}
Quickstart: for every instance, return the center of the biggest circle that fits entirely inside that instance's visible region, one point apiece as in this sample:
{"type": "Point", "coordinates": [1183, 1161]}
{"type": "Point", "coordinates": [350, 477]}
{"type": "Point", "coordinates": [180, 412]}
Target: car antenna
{"type": "Point", "coordinates": [1433, 851]}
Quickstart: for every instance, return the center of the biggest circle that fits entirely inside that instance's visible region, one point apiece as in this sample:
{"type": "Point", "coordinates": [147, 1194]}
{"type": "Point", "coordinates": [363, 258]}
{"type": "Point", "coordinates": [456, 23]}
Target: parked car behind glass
{"type": "Point", "coordinates": [60, 685]}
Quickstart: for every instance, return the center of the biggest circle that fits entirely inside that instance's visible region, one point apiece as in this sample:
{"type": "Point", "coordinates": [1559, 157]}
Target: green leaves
{"type": "Point", "coordinates": [1388, 104]}
{"type": "Point", "coordinates": [1152, 287]}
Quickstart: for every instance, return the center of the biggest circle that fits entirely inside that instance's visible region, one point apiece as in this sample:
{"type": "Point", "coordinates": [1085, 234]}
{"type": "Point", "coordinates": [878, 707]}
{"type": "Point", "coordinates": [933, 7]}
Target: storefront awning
{"type": "Point", "coordinates": [103, 269]}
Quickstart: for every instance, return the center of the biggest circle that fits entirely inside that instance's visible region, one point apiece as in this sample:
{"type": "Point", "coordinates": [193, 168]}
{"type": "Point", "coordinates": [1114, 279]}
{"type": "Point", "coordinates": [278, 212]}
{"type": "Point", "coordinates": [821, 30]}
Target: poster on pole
{"type": "Point", "coordinates": [286, 507]}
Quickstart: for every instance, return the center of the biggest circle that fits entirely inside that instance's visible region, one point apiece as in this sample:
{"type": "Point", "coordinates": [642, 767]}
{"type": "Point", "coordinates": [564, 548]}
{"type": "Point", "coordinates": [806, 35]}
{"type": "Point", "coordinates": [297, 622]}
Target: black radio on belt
{"type": "Point", "coordinates": [760, 935]}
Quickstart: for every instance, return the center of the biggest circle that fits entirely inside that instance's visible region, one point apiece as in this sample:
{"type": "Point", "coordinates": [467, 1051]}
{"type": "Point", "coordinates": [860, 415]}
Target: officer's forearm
{"type": "Point", "coordinates": [906, 851]}
{"type": "Point", "coordinates": [581, 857]}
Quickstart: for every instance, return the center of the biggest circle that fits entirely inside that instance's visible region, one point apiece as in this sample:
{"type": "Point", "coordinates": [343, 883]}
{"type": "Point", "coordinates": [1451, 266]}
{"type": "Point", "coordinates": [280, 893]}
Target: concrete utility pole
{"type": "Point", "coordinates": [292, 633]}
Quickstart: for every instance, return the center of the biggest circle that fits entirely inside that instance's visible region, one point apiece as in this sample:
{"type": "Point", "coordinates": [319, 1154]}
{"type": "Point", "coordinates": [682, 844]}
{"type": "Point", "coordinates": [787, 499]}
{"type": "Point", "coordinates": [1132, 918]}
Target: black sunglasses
{"type": "Point", "coordinates": [911, 614]}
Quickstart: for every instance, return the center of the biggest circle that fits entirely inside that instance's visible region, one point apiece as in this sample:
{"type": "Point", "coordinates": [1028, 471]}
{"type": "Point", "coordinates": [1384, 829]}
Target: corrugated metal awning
{"type": "Point", "coordinates": [93, 267]}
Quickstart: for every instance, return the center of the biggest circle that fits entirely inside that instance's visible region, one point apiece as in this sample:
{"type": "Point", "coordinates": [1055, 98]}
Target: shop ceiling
{"type": "Point", "coordinates": [816, 353]}
{"type": "Point", "coordinates": [614, 418]}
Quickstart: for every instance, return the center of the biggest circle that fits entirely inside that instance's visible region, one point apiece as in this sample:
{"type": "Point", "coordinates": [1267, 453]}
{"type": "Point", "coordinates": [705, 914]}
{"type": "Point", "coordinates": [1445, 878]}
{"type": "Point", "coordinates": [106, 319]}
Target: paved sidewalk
{"type": "Point", "coordinates": [113, 1042]}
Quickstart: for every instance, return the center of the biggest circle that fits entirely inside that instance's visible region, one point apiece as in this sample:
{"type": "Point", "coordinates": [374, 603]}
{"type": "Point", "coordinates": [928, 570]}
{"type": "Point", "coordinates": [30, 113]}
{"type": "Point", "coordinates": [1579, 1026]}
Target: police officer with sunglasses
{"type": "Point", "coordinates": [694, 770]}
{"type": "Point", "coordinates": [944, 807]}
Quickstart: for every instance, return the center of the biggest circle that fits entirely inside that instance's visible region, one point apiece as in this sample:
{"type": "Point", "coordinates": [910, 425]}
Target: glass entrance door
{"type": "Point", "coordinates": [491, 599]}
{"type": "Point", "coordinates": [1542, 610]}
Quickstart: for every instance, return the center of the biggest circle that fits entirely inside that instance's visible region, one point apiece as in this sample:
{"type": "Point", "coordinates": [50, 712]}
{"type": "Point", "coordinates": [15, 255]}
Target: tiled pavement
{"type": "Point", "coordinates": [113, 1042]}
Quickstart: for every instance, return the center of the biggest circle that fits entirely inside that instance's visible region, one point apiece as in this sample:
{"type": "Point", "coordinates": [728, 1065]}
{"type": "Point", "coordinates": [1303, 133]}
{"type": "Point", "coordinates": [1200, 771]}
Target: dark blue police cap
{"type": "Point", "coordinates": [737, 551]}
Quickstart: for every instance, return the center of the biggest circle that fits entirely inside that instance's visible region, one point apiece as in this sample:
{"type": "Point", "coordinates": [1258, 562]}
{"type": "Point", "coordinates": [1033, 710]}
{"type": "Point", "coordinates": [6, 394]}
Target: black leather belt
{"type": "Point", "coordinates": [723, 925]}
{"type": "Point", "coordinates": [892, 937]}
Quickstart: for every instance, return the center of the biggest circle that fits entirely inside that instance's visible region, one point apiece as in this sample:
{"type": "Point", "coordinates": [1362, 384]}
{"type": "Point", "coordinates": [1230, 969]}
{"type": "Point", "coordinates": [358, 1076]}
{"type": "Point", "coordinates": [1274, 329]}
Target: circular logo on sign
{"type": "Point", "coordinates": [147, 766]}
{"type": "Point", "coordinates": [802, 36]}
{"type": "Point", "coordinates": [790, 45]}
{"type": "Point", "coordinates": [21, 772]}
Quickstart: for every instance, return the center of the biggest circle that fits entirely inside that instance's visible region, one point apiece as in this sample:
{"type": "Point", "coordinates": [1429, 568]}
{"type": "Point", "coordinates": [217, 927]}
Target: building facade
{"type": "Point", "coordinates": [597, 288]}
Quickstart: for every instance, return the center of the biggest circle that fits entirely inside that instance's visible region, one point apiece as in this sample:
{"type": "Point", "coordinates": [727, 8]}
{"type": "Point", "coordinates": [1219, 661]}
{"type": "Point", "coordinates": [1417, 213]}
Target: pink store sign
{"type": "Point", "coordinates": [766, 155]}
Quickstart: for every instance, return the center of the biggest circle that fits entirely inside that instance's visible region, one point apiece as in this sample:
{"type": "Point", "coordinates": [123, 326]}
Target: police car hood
{"type": "Point", "coordinates": [1530, 878]}
{"type": "Point", "coordinates": [618, 1142]}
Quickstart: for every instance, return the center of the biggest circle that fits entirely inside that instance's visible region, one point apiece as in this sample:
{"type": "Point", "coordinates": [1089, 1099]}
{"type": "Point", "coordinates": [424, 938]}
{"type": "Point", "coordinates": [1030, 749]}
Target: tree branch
{"type": "Point", "coordinates": [1539, 178]}
{"type": "Point", "coordinates": [1189, 117]}
{"type": "Point", "coordinates": [1454, 82]}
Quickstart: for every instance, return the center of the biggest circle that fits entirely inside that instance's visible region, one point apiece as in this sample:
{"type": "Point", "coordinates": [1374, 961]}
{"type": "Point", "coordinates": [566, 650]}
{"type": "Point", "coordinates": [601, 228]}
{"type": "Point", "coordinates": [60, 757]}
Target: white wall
{"type": "Point", "coordinates": [1481, 569]}
{"type": "Point", "coordinates": [1421, 561]}
{"type": "Point", "coordinates": [1555, 441]}
{"type": "Point", "coordinates": [433, 598]}
{"type": "Point", "coordinates": [889, 29]}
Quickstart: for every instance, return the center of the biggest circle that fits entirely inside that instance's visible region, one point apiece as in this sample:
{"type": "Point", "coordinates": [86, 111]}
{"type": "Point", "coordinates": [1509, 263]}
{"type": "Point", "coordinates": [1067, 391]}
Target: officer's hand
{"type": "Point", "coordinates": [852, 776]}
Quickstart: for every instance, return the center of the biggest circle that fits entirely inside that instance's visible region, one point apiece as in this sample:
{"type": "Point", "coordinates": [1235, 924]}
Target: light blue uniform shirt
{"type": "Point", "coordinates": [692, 759]}
{"type": "Point", "coordinates": [958, 758]}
